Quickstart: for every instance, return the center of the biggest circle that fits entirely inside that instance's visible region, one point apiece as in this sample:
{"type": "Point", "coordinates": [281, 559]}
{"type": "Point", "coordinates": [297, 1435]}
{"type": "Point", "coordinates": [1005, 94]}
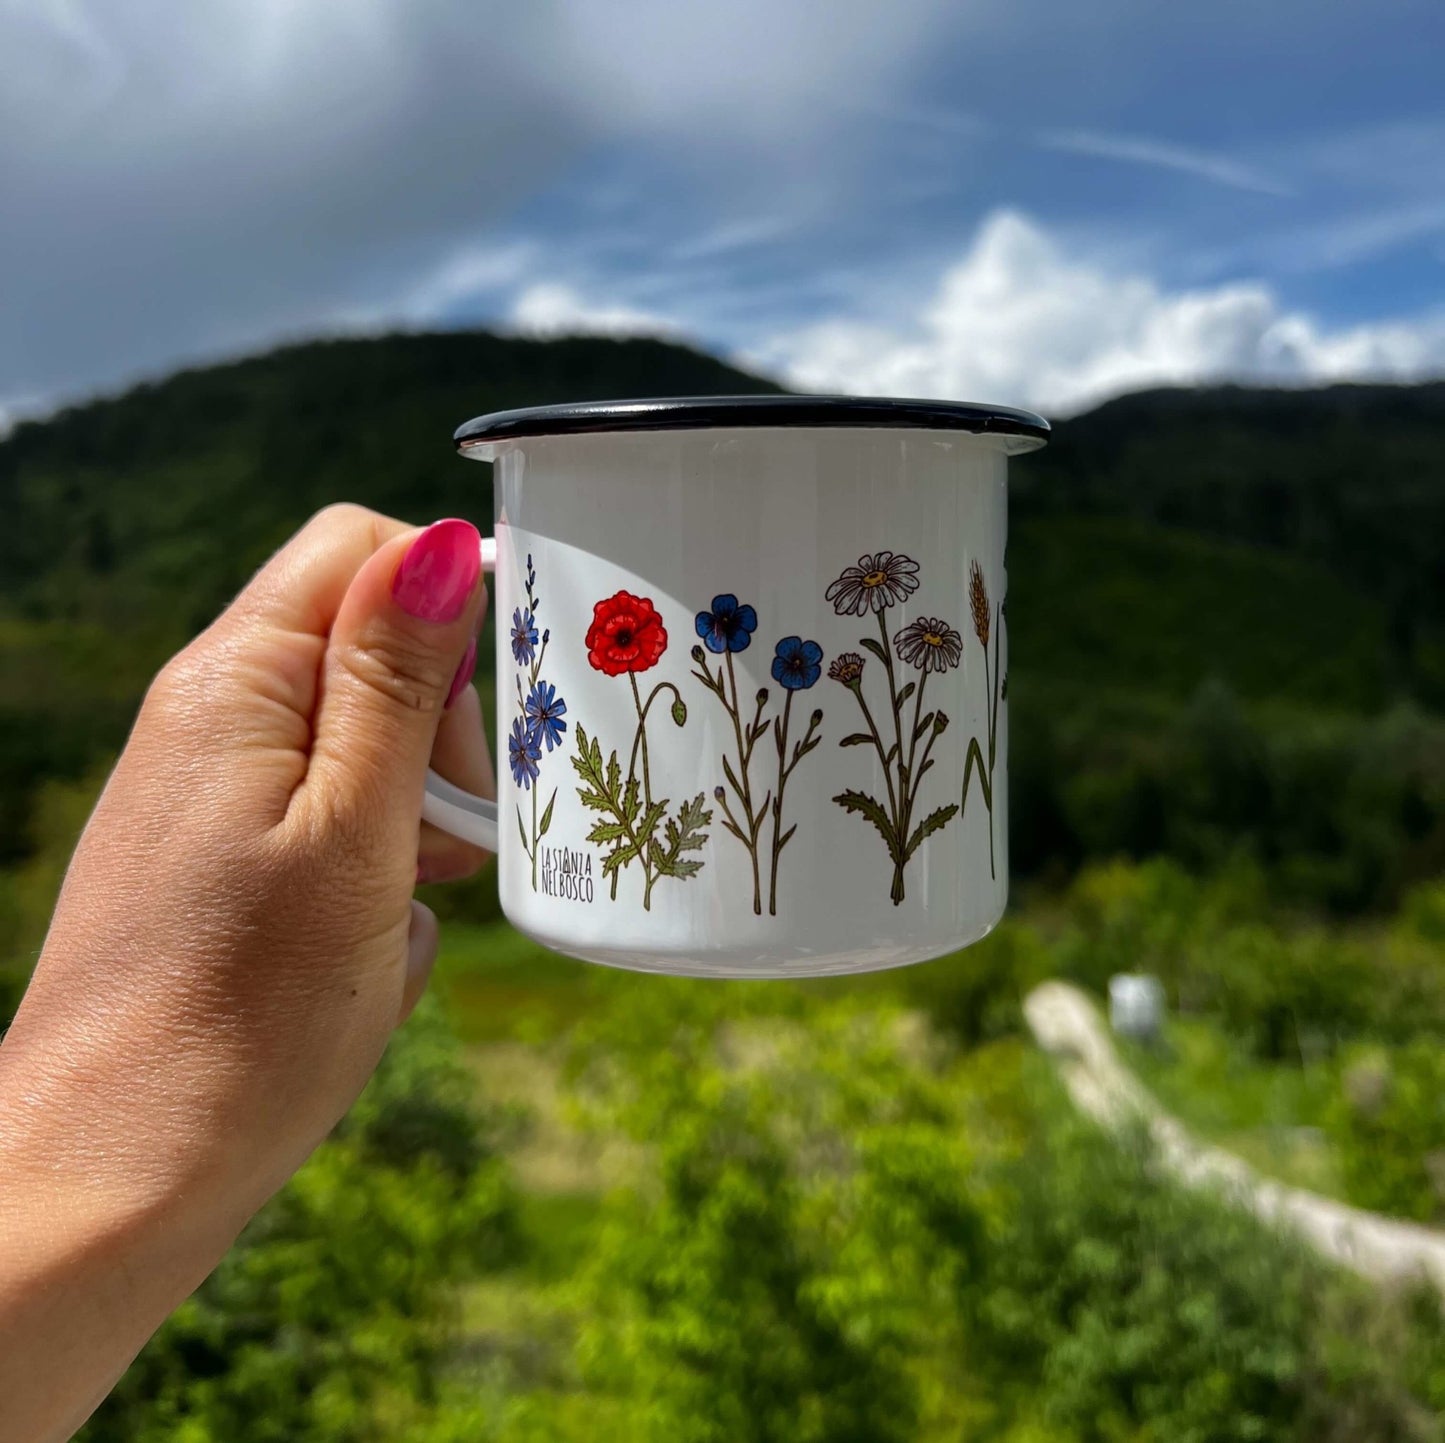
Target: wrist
{"type": "Point", "coordinates": [95, 1251]}
{"type": "Point", "coordinates": [81, 1173]}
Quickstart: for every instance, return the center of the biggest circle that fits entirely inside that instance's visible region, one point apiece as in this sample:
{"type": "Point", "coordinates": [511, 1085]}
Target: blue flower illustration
{"type": "Point", "coordinates": [524, 751]}
{"type": "Point", "coordinates": [798, 663]}
{"type": "Point", "coordinates": [728, 626]}
{"type": "Point", "coordinates": [545, 710]}
{"type": "Point", "coordinates": [524, 635]}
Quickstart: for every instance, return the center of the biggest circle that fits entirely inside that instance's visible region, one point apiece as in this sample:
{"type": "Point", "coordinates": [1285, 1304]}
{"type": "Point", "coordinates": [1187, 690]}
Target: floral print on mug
{"type": "Point", "coordinates": [539, 721]}
{"type": "Point", "coordinates": [726, 627]}
{"type": "Point", "coordinates": [986, 622]}
{"type": "Point", "coordinates": [879, 581]}
{"type": "Point", "coordinates": [626, 637]}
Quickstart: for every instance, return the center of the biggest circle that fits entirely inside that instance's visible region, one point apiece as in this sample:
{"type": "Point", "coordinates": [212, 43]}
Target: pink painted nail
{"type": "Point", "coordinates": [464, 672]}
{"type": "Point", "coordinates": [439, 571]}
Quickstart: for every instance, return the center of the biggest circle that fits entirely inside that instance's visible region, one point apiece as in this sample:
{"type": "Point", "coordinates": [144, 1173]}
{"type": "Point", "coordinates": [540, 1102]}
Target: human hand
{"type": "Point", "coordinates": [236, 937]}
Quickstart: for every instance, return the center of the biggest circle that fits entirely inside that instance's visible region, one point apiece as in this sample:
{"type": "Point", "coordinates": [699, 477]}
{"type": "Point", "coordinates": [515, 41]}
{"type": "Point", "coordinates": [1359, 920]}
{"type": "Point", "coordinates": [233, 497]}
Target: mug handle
{"type": "Point", "coordinates": [464, 815]}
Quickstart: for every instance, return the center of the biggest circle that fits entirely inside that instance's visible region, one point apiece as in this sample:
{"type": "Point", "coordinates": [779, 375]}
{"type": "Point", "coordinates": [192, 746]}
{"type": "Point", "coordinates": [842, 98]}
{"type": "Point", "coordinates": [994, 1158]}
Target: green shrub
{"type": "Point", "coordinates": [1388, 1125]}
{"type": "Point", "coordinates": [334, 1316]}
{"type": "Point", "coordinates": [1114, 1306]}
{"type": "Point", "coordinates": [977, 995]}
{"type": "Point", "coordinates": [777, 1274]}
{"type": "Point", "coordinates": [1289, 992]}
{"type": "Point", "coordinates": [839, 1232]}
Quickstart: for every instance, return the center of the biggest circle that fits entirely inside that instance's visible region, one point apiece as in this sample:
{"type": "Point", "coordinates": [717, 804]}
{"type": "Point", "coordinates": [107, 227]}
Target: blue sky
{"type": "Point", "coordinates": [1042, 203]}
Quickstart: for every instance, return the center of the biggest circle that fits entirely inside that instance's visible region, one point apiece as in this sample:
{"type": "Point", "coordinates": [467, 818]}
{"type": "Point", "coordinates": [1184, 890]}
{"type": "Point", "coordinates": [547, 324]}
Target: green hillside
{"type": "Point", "coordinates": [1352, 477]}
{"type": "Point", "coordinates": [1221, 600]}
{"type": "Point", "coordinates": [134, 519]}
{"type": "Point", "coordinates": [1112, 603]}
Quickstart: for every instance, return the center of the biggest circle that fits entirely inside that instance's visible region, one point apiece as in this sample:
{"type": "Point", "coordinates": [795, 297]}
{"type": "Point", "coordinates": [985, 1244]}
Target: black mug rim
{"type": "Point", "coordinates": [696, 413]}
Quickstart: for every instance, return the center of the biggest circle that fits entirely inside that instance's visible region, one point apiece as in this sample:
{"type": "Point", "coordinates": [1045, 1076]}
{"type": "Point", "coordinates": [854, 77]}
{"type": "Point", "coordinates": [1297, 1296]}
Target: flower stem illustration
{"type": "Point", "coordinates": [986, 622]}
{"type": "Point", "coordinates": [627, 636]}
{"type": "Point", "coordinates": [929, 645]}
{"type": "Point", "coordinates": [539, 720]}
{"type": "Point", "coordinates": [797, 665]}
{"type": "Point", "coordinates": [726, 628]}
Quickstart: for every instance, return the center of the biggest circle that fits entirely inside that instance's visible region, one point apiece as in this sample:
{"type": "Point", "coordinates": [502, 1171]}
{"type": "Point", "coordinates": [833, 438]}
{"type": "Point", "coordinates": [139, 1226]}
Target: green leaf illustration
{"type": "Point", "coordinates": [605, 793]}
{"type": "Point", "coordinates": [712, 683]}
{"type": "Point", "coordinates": [614, 861]}
{"type": "Point", "coordinates": [924, 723]}
{"type": "Point", "coordinates": [546, 821]}
{"type": "Point", "coordinates": [731, 775]}
{"type": "Point", "coordinates": [631, 802]}
{"type": "Point", "coordinates": [653, 816]}
{"type": "Point", "coordinates": [856, 739]}
{"type": "Point", "coordinates": [975, 761]}
{"type": "Point", "coordinates": [871, 808]}
{"type": "Point", "coordinates": [873, 645]}
{"type": "Point", "coordinates": [787, 836]}
{"type": "Point", "coordinates": [522, 830]}
{"type": "Point", "coordinates": [592, 800]}
{"type": "Point", "coordinates": [761, 815]}
{"type": "Point", "coordinates": [932, 823]}
{"type": "Point", "coordinates": [588, 765]}
{"type": "Point", "coordinates": [687, 832]}
{"type": "Point", "coordinates": [904, 695]}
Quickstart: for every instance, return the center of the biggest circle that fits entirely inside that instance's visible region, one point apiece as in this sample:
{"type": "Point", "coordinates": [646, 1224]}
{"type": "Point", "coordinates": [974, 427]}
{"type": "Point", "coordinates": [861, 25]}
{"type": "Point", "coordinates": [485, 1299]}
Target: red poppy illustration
{"type": "Point", "coordinates": [626, 634]}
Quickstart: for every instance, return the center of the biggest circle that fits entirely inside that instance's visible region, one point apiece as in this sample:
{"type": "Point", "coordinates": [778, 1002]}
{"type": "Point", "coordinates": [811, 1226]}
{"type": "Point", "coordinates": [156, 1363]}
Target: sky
{"type": "Point", "coordinates": [1032, 202]}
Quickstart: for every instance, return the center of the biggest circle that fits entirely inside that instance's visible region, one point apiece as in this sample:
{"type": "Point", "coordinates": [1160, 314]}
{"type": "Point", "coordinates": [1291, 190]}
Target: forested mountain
{"type": "Point", "coordinates": [1227, 604]}
{"type": "Point", "coordinates": [1352, 477]}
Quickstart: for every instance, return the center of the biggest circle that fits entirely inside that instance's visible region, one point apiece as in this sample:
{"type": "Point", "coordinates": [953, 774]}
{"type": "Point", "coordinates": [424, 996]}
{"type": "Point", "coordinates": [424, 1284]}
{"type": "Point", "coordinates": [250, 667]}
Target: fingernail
{"type": "Point", "coordinates": [464, 672]}
{"type": "Point", "coordinates": [439, 571]}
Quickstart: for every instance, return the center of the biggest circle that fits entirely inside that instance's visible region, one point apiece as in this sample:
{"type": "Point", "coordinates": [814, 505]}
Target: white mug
{"type": "Point", "coordinates": [753, 680]}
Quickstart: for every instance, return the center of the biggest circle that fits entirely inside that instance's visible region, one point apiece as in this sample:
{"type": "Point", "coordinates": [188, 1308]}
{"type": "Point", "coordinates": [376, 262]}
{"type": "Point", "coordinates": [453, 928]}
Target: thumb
{"type": "Point", "coordinates": [402, 640]}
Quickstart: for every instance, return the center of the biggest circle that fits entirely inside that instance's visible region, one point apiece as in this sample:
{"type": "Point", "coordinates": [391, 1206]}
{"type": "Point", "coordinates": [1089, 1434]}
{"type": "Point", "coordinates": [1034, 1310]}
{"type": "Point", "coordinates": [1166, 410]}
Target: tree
{"type": "Point", "coordinates": [334, 1316]}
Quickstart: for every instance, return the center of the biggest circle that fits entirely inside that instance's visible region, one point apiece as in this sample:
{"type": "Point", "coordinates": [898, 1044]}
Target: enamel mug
{"type": "Point", "coordinates": [752, 700]}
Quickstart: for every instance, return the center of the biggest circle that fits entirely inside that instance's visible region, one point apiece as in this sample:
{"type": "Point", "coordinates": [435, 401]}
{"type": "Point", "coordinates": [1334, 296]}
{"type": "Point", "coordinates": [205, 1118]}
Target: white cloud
{"type": "Point", "coordinates": [171, 192]}
{"type": "Point", "coordinates": [755, 67]}
{"type": "Point", "coordinates": [1016, 319]}
{"type": "Point", "coordinates": [548, 308]}
{"type": "Point", "coordinates": [467, 276]}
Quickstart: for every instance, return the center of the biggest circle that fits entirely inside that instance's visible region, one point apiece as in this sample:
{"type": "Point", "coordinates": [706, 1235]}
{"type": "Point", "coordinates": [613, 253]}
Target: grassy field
{"type": "Point", "coordinates": [1272, 1116]}
{"type": "Point", "coordinates": [513, 1004]}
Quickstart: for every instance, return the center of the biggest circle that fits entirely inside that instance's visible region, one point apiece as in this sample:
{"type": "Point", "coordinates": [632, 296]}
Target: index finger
{"type": "Point", "coordinates": [270, 641]}
{"type": "Point", "coordinates": [300, 589]}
